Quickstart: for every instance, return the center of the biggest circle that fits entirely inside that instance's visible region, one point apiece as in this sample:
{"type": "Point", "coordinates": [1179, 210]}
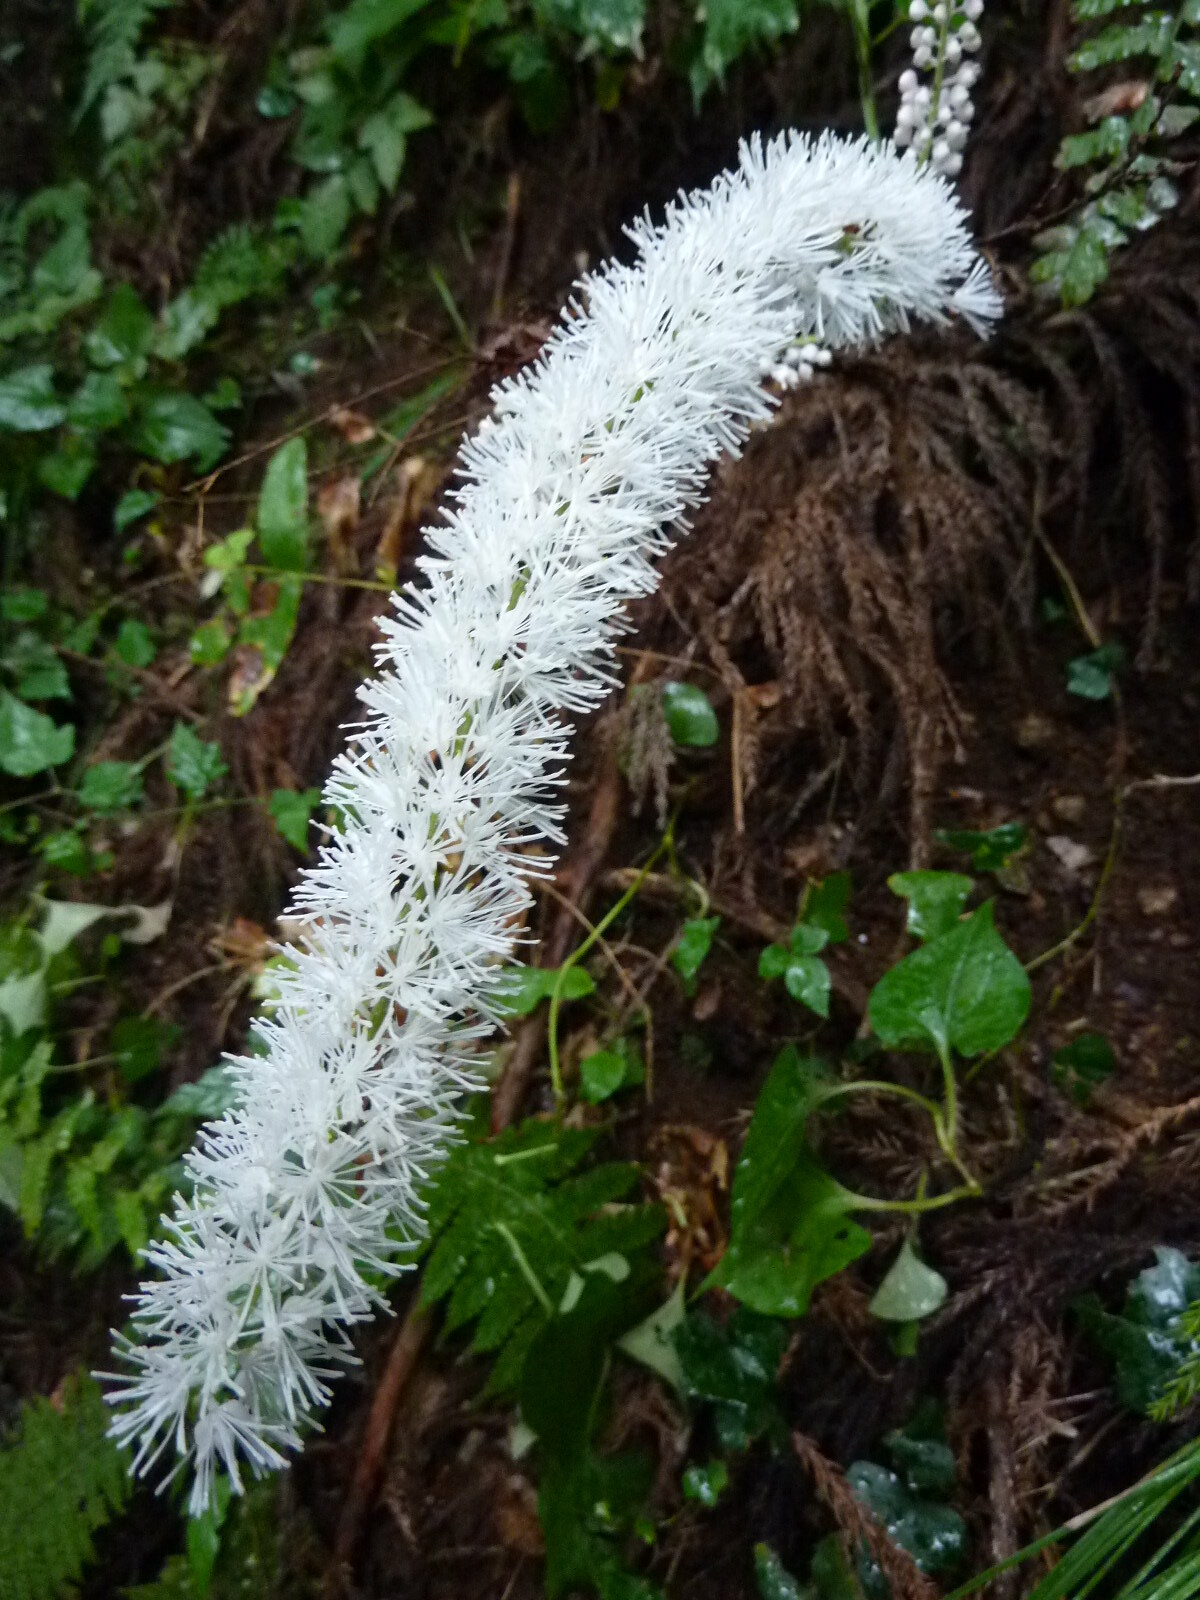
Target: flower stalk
{"type": "Point", "coordinates": [306, 1198]}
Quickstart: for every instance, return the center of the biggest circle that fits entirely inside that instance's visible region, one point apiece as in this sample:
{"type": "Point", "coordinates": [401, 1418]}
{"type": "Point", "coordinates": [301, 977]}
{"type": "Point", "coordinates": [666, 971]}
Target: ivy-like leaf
{"type": "Point", "coordinates": [964, 991]}
{"type": "Point", "coordinates": [791, 1225]}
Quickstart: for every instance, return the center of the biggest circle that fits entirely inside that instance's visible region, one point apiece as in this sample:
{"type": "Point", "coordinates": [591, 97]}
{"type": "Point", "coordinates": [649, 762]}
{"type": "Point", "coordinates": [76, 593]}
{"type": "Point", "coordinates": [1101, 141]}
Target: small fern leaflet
{"type": "Point", "coordinates": [511, 1221]}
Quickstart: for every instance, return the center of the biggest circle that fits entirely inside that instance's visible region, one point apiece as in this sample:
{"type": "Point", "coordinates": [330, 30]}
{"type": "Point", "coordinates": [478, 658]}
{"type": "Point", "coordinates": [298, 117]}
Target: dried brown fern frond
{"type": "Point", "coordinates": [884, 512]}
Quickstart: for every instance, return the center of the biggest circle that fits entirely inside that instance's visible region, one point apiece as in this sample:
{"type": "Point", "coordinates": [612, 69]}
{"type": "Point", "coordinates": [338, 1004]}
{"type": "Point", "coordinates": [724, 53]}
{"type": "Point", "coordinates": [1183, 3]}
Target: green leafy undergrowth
{"type": "Point", "coordinates": [61, 1479]}
{"type": "Point", "coordinates": [790, 1221]}
{"type": "Point", "coordinates": [84, 1164]}
{"type": "Point", "coordinates": [910, 1501]}
{"type": "Point", "coordinates": [590, 1505]}
{"type": "Point", "coordinates": [798, 962]}
{"type": "Point", "coordinates": [513, 1224]}
{"type": "Point", "coordinates": [730, 1369]}
{"type": "Point", "coordinates": [1127, 157]}
{"type": "Point", "coordinates": [1154, 1342]}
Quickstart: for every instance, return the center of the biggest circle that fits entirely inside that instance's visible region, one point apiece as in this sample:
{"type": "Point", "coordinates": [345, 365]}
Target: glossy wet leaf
{"type": "Point", "coordinates": [963, 991]}
{"type": "Point", "coordinates": [123, 334]}
{"type": "Point", "coordinates": [910, 1290]}
{"type": "Point", "coordinates": [694, 943]}
{"type": "Point", "coordinates": [734, 1367]}
{"type": "Point", "coordinates": [173, 426]}
{"type": "Point", "coordinates": [28, 403]}
{"type": "Point", "coordinates": [807, 980]}
{"type": "Point", "coordinates": [772, 1579]}
{"type": "Point", "coordinates": [933, 1534]}
{"type": "Point", "coordinates": [706, 1484]}
{"type": "Point", "coordinates": [935, 900]}
{"type": "Point", "coordinates": [991, 849]}
{"type": "Point", "coordinates": [1146, 1342]}
{"type": "Point", "coordinates": [283, 508]}
{"type": "Point", "coordinates": [790, 1221]}
{"type": "Point", "coordinates": [691, 720]}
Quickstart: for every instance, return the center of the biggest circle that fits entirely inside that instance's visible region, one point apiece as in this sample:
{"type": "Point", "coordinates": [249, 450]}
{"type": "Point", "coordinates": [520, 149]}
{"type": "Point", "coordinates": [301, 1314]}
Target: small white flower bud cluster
{"type": "Point", "coordinates": [935, 116]}
{"type": "Point", "coordinates": [798, 364]}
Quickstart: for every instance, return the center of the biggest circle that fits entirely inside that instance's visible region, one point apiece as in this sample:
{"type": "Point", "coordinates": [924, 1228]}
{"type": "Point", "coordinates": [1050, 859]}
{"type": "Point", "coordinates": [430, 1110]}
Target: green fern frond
{"type": "Point", "coordinates": [61, 1478]}
{"type": "Point", "coordinates": [114, 30]}
{"type": "Point", "coordinates": [511, 1221]}
{"type": "Point", "coordinates": [1184, 1384]}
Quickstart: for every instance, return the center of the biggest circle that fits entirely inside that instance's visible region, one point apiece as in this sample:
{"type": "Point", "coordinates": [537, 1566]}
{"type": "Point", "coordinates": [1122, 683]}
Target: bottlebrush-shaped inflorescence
{"type": "Point", "coordinates": [306, 1197]}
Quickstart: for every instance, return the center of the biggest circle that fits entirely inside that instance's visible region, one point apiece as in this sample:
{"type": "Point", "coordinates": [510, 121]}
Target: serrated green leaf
{"type": "Point", "coordinates": [731, 27]}
{"type": "Point", "coordinates": [510, 1224]}
{"type": "Point", "coordinates": [30, 741]}
{"type": "Point", "coordinates": [193, 764]}
{"type": "Point", "coordinates": [933, 1534]}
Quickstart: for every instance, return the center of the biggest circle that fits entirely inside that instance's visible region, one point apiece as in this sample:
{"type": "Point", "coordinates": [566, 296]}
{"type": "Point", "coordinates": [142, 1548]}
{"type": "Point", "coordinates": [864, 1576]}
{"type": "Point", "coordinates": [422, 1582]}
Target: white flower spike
{"type": "Point", "coordinates": [935, 116]}
{"type": "Point", "coordinates": [307, 1196]}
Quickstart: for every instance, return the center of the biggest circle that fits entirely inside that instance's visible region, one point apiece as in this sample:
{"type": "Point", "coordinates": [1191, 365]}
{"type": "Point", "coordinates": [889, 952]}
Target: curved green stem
{"type": "Point", "coordinates": [666, 843]}
{"type": "Point", "coordinates": [916, 1208]}
{"type": "Point", "coordinates": [882, 1086]}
